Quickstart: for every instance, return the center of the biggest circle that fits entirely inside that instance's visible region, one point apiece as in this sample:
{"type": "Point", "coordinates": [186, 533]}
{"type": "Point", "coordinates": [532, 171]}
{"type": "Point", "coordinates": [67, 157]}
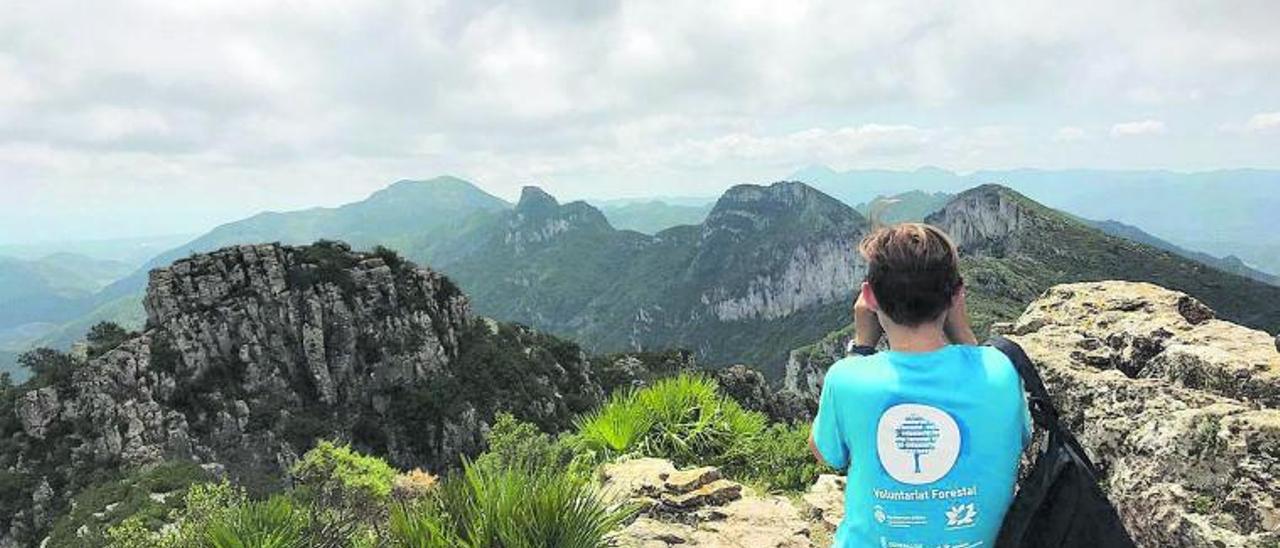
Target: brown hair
{"type": "Point", "coordinates": [913, 270]}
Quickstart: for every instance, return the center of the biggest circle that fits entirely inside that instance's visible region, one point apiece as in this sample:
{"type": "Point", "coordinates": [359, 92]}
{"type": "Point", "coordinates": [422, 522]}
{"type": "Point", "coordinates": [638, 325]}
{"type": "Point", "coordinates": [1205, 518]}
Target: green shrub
{"type": "Point", "coordinates": [274, 523]}
{"type": "Point", "coordinates": [220, 515]}
{"type": "Point", "coordinates": [203, 505]}
{"type": "Point", "coordinates": [617, 427]}
{"type": "Point", "coordinates": [389, 256]}
{"type": "Point", "coordinates": [98, 508]}
{"type": "Point", "coordinates": [515, 443]}
{"type": "Point", "coordinates": [779, 459]}
{"type": "Point", "coordinates": [48, 367]}
{"type": "Point", "coordinates": [510, 507]}
{"type": "Point", "coordinates": [683, 418]}
{"type": "Point", "coordinates": [339, 477]}
{"type": "Point", "coordinates": [106, 336]}
{"type": "Point", "coordinates": [688, 420]}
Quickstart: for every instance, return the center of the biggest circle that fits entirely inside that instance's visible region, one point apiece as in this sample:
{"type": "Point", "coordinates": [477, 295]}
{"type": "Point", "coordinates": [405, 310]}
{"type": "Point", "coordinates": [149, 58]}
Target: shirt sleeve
{"type": "Point", "coordinates": [827, 436]}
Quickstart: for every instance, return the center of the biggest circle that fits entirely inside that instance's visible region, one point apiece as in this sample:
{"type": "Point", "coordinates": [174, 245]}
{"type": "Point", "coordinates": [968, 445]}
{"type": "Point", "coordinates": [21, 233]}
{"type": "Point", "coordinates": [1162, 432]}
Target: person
{"type": "Point", "coordinates": [932, 429]}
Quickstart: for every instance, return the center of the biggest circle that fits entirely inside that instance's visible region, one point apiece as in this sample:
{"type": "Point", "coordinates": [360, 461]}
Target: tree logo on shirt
{"type": "Point", "coordinates": [916, 443]}
{"type": "Point", "coordinates": [918, 436]}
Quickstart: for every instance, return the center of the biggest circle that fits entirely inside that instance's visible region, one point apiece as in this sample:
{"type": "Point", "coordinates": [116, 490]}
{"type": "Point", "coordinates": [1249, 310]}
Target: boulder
{"type": "Point", "coordinates": [38, 409]}
{"type": "Point", "coordinates": [683, 481]}
{"type": "Point", "coordinates": [825, 500]}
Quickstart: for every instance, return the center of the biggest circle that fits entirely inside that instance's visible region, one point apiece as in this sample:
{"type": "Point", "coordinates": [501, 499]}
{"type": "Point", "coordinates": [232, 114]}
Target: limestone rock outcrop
{"type": "Point", "coordinates": [698, 507]}
{"type": "Point", "coordinates": [749, 387]}
{"type": "Point", "coordinates": [1179, 409]}
{"type": "Point", "coordinates": [251, 353]}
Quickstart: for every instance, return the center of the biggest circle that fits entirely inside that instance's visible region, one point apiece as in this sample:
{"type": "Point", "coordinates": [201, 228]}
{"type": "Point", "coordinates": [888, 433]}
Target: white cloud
{"type": "Point", "coordinates": [1141, 127]}
{"type": "Point", "coordinates": [1068, 134]}
{"type": "Point", "coordinates": [1263, 121]}
{"type": "Point", "coordinates": [285, 103]}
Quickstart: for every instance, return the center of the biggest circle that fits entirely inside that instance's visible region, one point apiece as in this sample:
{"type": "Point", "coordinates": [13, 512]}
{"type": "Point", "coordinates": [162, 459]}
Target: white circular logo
{"type": "Point", "coordinates": [917, 444]}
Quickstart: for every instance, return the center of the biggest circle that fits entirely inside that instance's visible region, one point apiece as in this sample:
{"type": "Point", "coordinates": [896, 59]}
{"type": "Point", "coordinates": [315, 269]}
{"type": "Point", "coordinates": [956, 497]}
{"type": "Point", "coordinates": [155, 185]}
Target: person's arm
{"type": "Point", "coordinates": [817, 455]}
{"type": "Point", "coordinates": [826, 441]}
{"type": "Point", "coordinates": [956, 325]}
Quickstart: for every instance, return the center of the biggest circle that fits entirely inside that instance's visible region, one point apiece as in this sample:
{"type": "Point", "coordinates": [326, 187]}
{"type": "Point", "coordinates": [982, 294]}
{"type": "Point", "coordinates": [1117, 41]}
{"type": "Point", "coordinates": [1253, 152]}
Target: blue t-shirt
{"type": "Point", "coordinates": [931, 441]}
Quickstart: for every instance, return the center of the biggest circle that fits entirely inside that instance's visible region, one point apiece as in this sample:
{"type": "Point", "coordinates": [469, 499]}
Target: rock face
{"type": "Point", "coordinates": [752, 391]}
{"type": "Point", "coordinates": [771, 267]}
{"type": "Point", "coordinates": [806, 366]}
{"type": "Point", "coordinates": [251, 353]}
{"type": "Point", "coordinates": [539, 218]}
{"type": "Point", "coordinates": [1178, 408]}
{"type": "Point", "coordinates": [984, 219]}
{"type": "Point", "coordinates": [814, 272]}
{"type": "Point", "coordinates": [698, 507]}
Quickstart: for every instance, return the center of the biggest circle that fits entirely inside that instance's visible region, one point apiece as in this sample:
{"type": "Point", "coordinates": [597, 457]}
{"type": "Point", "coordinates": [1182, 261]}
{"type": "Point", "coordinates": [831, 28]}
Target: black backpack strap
{"type": "Point", "coordinates": [1042, 410]}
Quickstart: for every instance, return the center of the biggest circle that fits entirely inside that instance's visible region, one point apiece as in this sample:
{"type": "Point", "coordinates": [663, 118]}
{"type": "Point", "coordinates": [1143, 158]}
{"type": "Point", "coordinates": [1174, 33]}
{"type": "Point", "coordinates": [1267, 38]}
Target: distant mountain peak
{"type": "Point", "coordinates": [754, 207]}
{"type": "Point", "coordinates": [536, 202]}
{"type": "Point", "coordinates": [438, 180]}
{"type": "Point", "coordinates": [987, 217]}
{"type": "Point", "coordinates": [539, 217]}
{"type": "Point", "coordinates": [437, 188]}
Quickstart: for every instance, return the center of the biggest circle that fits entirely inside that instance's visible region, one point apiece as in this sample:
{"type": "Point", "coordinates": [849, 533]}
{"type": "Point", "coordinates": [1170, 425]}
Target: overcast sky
{"type": "Point", "coordinates": [139, 117]}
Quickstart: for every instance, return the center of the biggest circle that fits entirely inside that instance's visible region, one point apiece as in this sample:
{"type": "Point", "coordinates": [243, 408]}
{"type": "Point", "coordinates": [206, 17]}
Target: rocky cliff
{"type": "Point", "coordinates": [252, 353]}
{"type": "Point", "coordinates": [1179, 409]}
{"type": "Point", "coordinates": [770, 268]}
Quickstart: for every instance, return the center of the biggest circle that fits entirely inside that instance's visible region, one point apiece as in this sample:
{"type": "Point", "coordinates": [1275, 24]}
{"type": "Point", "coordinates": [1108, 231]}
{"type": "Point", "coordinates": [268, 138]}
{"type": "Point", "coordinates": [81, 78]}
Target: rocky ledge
{"type": "Point", "coordinates": [1179, 409]}
{"type": "Point", "coordinates": [698, 507]}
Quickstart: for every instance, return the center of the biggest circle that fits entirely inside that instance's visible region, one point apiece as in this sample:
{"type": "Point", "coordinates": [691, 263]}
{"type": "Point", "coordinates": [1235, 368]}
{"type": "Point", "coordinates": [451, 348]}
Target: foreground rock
{"type": "Point", "coordinates": [698, 507]}
{"type": "Point", "coordinates": [825, 500]}
{"type": "Point", "coordinates": [1177, 408]}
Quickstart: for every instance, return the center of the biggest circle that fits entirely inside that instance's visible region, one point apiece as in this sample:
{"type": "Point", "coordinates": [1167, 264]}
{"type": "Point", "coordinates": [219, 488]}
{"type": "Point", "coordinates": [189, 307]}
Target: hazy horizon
{"type": "Point", "coordinates": [10, 246]}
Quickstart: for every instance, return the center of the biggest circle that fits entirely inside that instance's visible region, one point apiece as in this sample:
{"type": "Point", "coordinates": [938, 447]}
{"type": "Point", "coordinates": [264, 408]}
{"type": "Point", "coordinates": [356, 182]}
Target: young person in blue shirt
{"type": "Point", "coordinates": [930, 430]}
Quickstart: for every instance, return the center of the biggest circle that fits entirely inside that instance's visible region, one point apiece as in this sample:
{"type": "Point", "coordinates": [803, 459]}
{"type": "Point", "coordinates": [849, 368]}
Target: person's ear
{"type": "Point", "coordinates": [957, 298]}
{"type": "Point", "coordinates": [869, 297]}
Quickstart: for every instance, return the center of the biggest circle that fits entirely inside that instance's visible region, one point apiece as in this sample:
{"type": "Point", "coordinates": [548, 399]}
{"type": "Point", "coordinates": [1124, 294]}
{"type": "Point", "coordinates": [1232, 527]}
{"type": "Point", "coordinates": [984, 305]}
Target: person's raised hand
{"type": "Point", "coordinates": [866, 324]}
{"type": "Point", "coordinates": [957, 325]}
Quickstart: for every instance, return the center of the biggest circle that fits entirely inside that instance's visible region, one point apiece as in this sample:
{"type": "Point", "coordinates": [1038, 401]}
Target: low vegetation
{"type": "Point", "coordinates": [529, 489]}
{"type": "Point", "coordinates": [688, 420]}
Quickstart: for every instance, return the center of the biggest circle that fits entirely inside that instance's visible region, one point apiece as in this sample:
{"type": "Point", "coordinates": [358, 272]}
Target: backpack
{"type": "Point", "coordinates": [1059, 504]}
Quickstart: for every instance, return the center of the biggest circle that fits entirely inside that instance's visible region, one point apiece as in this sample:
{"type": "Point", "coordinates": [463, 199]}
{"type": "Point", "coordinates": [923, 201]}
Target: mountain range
{"type": "Point", "coordinates": [768, 268]}
{"type": "Point", "coordinates": [1219, 211]}
{"type": "Point", "coordinates": [916, 205]}
{"type": "Point", "coordinates": [1013, 248]}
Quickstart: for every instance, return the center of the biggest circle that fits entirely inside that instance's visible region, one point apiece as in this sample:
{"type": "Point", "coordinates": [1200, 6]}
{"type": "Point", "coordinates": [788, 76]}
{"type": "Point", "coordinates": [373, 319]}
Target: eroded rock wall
{"type": "Point", "coordinates": [251, 353]}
